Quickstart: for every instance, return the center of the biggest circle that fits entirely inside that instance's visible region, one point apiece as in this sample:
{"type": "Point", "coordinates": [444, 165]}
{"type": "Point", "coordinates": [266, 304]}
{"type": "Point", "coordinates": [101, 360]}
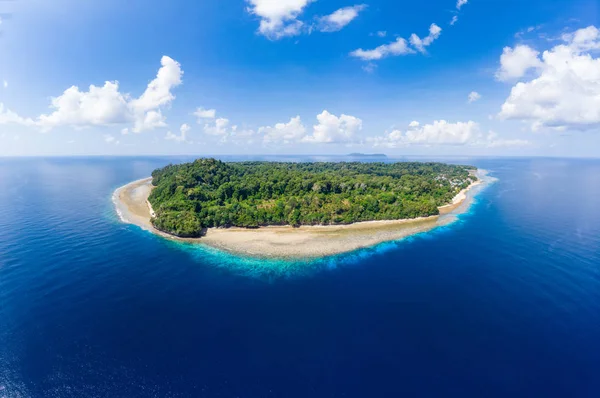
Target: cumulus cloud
{"type": "Point", "coordinates": [340, 18]}
{"type": "Point", "coordinates": [333, 129]}
{"type": "Point", "coordinates": [9, 117]}
{"type": "Point", "coordinates": [474, 96]}
{"type": "Point", "coordinates": [213, 125]}
{"type": "Point", "coordinates": [157, 94]}
{"type": "Point", "coordinates": [278, 18]}
{"type": "Point", "coordinates": [182, 137]}
{"type": "Point", "coordinates": [564, 93]}
{"type": "Point", "coordinates": [98, 106]}
{"type": "Point", "coordinates": [329, 129]}
{"type": "Point", "coordinates": [516, 62]}
{"type": "Point", "coordinates": [203, 114]}
{"type": "Point", "coordinates": [443, 133]}
{"type": "Point", "coordinates": [220, 127]}
{"type": "Point", "coordinates": [397, 47]}
{"type": "Point", "coordinates": [106, 105]}
{"type": "Point", "coordinates": [290, 132]}
{"type": "Point", "coordinates": [440, 132]}
{"type": "Point", "coordinates": [583, 39]}
{"type": "Point", "coordinates": [420, 44]}
{"type": "Point", "coordinates": [461, 3]}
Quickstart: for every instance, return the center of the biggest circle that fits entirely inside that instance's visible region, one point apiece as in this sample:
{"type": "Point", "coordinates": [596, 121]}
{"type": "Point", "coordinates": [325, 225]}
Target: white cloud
{"type": "Point", "coordinates": [157, 94]}
{"type": "Point", "coordinates": [454, 20]}
{"type": "Point", "coordinates": [340, 18]}
{"type": "Point", "coordinates": [515, 63]}
{"type": "Point", "coordinates": [278, 17]}
{"type": "Point", "coordinates": [222, 128]}
{"type": "Point", "coordinates": [4, 83]}
{"type": "Point", "coordinates": [333, 129]}
{"type": "Point", "coordinates": [382, 33]}
{"type": "Point", "coordinates": [9, 117]}
{"type": "Point", "coordinates": [420, 44]}
{"type": "Point", "coordinates": [98, 106]}
{"type": "Point", "coordinates": [440, 132]}
{"type": "Point", "coordinates": [474, 96]}
{"type": "Point", "coordinates": [202, 114]}
{"type": "Point", "coordinates": [461, 3]}
{"type": "Point", "coordinates": [216, 126]}
{"type": "Point", "coordinates": [106, 105]}
{"type": "Point", "coordinates": [583, 39]}
{"type": "Point", "coordinates": [237, 136]}
{"type": "Point", "coordinates": [148, 121]}
{"type": "Point", "coordinates": [565, 91]}
{"type": "Point", "coordinates": [184, 129]}
{"type": "Point", "coordinates": [219, 127]}
{"type": "Point", "coordinates": [292, 131]}
{"type": "Point", "coordinates": [444, 133]}
{"type": "Point", "coordinates": [110, 139]}
{"type": "Point", "coordinates": [397, 47]}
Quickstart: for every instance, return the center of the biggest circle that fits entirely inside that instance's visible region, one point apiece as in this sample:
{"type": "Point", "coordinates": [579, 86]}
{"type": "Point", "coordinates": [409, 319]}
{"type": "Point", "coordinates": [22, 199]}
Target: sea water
{"type": "Point", "coordinates": [504, 301]}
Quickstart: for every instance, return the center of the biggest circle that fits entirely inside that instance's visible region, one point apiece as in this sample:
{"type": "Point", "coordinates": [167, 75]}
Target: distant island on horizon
{"type": "Point", "coordinates": [368, 155]}
{"type": "Point", "coordinates": [208, 193]}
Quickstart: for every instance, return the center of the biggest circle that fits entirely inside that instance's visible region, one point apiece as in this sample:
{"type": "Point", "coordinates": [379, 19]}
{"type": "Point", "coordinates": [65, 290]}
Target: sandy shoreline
{"type": "Point", "coordinates": [131, 202]}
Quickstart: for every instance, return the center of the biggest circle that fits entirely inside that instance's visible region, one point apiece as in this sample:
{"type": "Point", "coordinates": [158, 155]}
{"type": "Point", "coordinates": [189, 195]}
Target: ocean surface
{"type": "Point", "coordinates": [504, 302]}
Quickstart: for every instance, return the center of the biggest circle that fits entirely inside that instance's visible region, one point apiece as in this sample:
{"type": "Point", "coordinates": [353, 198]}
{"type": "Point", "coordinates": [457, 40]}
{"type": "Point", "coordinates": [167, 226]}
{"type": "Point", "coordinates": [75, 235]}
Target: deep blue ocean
{"type": "Point", "coordinates": [505, 302]}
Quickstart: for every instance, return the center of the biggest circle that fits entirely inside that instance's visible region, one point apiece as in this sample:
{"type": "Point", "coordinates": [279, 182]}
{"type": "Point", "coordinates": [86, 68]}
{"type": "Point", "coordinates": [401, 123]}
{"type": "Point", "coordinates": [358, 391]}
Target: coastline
{"type": "Point", "coordinates": [285, 242]}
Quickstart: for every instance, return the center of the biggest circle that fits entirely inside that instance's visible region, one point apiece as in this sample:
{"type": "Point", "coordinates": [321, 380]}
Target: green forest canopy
{"type": "Point", "coordinates": [210, 193]}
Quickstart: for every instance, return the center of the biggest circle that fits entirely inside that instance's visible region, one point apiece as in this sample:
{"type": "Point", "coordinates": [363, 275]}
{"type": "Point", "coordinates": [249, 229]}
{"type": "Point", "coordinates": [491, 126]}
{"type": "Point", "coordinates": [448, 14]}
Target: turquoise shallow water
{"type": "Point", "coordinates": [505, 301]}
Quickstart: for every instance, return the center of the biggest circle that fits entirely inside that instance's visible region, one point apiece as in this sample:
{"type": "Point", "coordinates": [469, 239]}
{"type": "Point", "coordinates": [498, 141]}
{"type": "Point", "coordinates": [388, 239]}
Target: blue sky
{"type": "Point", "coordinates": [286, 77]}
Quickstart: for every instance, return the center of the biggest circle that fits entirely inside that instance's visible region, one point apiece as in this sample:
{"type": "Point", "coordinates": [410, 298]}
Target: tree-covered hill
{"type": "Point", "coordinates": [211, 193]}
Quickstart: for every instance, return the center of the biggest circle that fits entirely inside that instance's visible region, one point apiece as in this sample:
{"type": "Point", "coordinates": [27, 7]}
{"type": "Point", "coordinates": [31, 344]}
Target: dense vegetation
{"type": "Point", "coordinates": [210, 193]}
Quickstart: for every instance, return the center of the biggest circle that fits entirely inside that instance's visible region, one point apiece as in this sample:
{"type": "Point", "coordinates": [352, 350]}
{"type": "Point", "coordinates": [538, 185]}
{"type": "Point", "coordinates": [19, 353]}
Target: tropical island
{"type": "Point", "coordinates": [294, 210]}
{"type": "Point", "coordinates": [367, 155]}
{"type": "Point", "coordinates": [208, 193]}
